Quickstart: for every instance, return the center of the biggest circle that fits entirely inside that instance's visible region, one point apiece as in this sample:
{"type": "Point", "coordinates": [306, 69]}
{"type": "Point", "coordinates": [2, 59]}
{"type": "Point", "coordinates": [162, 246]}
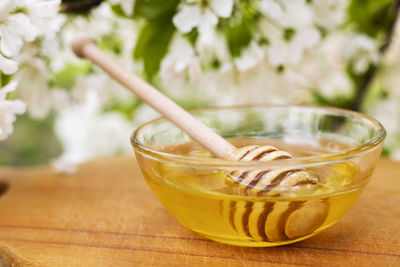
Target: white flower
{"type": "Point", "coordinates": [363, 51]}
{"type": "Point", "coordinates": [304, 39]}
{"type": "Point", "coordinates": [336, 84]}
{"type": "Point", "coordinates": [329, 13]}
{"type": "Point", "coordinates": [144, 114]}
{"type": "Point", "coordinates": [8, 66]}
{"type": "Point", "coordinates": [387, 112]}
{"type": "Point", "coordinates": [250, 57]}
{"type": "Point", "coordinates": [126, 5]}
{"type": "Point", "coordinates": [271, 9]}
{"type": "Point", "coordinates": [297, 14]}
{"type": "Point", "coordinates": [44, 16]}
{"type": "Point", "coordinates": [8, 110]}
{"type": "Point", "coordinates": [86, 133]}
{"type": "Point", "coordinates": [275, 55]}
{"type": "Point", "coordinates": [211, 48]}
{"type": "Point", "coordinates": [106, 88]}
{"type": "Point", "coordinates": [34, 88]}
{"type": "Point", "coordinates": [202, 14]}
{"type": "Point", "coordinates": [179, 66]}
{"type": "Point", "coordinates": [14, 29]}
{"type": "Point", "coordinates": [292, 32]}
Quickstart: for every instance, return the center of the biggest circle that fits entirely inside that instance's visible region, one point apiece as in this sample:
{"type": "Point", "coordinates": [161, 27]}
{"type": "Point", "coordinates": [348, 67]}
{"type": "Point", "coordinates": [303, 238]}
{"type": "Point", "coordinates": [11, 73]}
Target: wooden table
{"type": "Point", "coordinates": [106, 215]}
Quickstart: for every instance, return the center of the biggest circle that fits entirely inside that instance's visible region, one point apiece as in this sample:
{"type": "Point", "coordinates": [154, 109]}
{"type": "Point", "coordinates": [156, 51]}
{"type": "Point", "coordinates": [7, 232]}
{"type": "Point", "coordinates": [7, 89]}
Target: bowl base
{"type": "Point", "coordinates": [249, 243]}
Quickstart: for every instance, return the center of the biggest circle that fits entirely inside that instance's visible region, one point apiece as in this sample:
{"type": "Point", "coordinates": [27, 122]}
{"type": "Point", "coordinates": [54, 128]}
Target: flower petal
{"type": "Point", "coordinates": [6, 6]}
{"type": "Point", "coordinates": [223, 8]}
{"type": "Point", "coordinates": [8, 88]}
{"type": "Point", "coordinates": [187, 18]}
{"type": "Point", "coordinates": [207, 21]}
{"type": "Point", "coordinates": [10, 41]}
{"type": "Point", "coordinates": [8, 110]}
{"type": "Point", "coordinates": [8, 66]}
{"type": "Point", "coordinates": [308, 37]}
{"type": "Point", "coordinates": [271, 9]}
{"type": "Point", "coordinates": [275, 56]}
{"type": "Point", "coordinates": [249, 58]}
{"type": "Point", "coordinates": [44, 16]}
{"type": "Point", "coordinates": [21, 24]}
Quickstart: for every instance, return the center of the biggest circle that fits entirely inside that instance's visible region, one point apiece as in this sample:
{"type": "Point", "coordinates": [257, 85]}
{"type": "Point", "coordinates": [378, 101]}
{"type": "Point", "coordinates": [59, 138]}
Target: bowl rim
{"type": "Point", "coordinates": [303, 161]}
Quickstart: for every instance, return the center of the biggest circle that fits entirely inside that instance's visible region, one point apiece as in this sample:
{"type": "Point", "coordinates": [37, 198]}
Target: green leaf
{"type": "Point", "coordinates": [4, 79]}
{"type": "Point", "coordinates": [152, 9]}
{"type": "Point", "coordinates": [238, 37]}
{"type": "Point", "coordinates": [339, 101]}
{"type": "Point", "coordinates": [288, 34]}
{"type": "Point", "coordinates": [117, 9]}
{"type": "Point", "coordinates": [372, 17]}
{"type": "Point", "coordinates": [112, 43]}
{"type": "Point", "coordinates": [127, 109]}
{"type": "Point", "coordinates": [239, 29]}
{"type": "Point", "coordinates": [153, 42]}
{"type": "Point", "coordinates": [66, 78]}
{"type": "Point", "coordinates": [192, 36]}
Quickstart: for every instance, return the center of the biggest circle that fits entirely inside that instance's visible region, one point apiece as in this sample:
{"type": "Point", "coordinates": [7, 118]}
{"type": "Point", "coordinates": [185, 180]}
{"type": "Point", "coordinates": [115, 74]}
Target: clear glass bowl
{"type": "Point", "coordinates": [338, 147]}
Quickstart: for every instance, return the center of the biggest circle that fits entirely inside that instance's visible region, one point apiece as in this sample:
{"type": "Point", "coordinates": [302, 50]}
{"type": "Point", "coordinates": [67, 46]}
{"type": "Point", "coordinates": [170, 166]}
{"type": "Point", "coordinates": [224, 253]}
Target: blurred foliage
{"type": "Point", "coordinates": [4, 79]}
{"type": "Point", "coordinates": [156, 33]}
{"type": "Point", "coordinates": [372, 17]}
{"type": "Point", "coordinates": [32, 143]}
{"type": "Point", "coordinates": [126, 109]}
{"type": "Point", "coordinates": [239, 31]}
{"type": "Point", "coordinates": [66, 78]}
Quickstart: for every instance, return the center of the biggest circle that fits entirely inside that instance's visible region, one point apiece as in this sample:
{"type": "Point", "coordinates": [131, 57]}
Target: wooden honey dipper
{"type": "Point", "coordinates": [255, 181]}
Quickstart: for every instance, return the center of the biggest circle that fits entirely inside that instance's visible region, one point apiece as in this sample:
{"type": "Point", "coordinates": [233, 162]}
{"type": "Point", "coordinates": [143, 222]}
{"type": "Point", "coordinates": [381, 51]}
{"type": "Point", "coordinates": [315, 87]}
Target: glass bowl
{"type": "Point", "coordinates": [338, 147]}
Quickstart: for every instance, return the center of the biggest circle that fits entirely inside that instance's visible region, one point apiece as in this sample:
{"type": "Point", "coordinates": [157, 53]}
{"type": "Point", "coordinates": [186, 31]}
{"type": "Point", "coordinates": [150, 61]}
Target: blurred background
{"type": "Point", "coordinates": [56, 108]}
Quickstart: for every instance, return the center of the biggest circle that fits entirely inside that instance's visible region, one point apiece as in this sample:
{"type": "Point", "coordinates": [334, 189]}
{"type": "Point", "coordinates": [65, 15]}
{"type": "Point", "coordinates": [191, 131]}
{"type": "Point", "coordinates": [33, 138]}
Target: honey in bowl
{"type": "Point", "coordinates": [207, 202]}
{"type": "Point", "coordinates": [337, 148]}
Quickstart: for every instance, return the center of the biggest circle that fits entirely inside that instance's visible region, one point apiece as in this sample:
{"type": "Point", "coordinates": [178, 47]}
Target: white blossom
{"type": "Point", "coordinates": [86, 133]}
{"type": "Point", "coordinates": [249, 58]}
{"type": "Point", "coordinates": [34, 87]}
{"type": "Point", "coordinates": [271, 9]}
{"type": "Point", "coordinates": [276, 56]}
{"type": "Point", "coordinates": [144, 114]}
{"type": "Point", "coordinates": [210, 48]}
{"type": "Point", "coordinates": [329, 14]}
{"type": "Point", "coordinates": [336, 84]}
{"type": "Point", "coordinates": [202, 14]}
{"type": "Point", "coordinates": [363, 51]}
{"type": "Point", "coordinates": [8, 110]}
{"type": "Point", "coordinates": [304, 39]}
{"type": "Point", "coordinates": [179, 66]}
{"type": "Point", "coordinates": [14, 29]}
{"type": "Point", "coordinates": [19, 27]}
{"type": "Point", "coordinates": [8, 66]}
{"type": "Point", "coordinates": [44, 16]}
{"type": "Point", "coordinates": [297, 14]}
{"type": "Point", "coordinates": [387, 112]}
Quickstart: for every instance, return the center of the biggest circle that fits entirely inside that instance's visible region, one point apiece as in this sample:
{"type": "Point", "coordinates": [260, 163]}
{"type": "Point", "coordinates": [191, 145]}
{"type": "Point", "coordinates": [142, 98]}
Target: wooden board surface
{"type": "Point", "coordinates": [105, 215]}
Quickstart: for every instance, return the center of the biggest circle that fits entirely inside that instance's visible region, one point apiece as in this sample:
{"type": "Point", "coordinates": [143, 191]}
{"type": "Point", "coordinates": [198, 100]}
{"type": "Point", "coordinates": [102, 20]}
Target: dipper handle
{"type": "Point", "coordinates": [85, 47]}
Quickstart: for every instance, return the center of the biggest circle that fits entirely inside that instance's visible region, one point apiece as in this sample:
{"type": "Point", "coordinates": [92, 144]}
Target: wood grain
{"type": "Point", "coordinates": [105, 215]}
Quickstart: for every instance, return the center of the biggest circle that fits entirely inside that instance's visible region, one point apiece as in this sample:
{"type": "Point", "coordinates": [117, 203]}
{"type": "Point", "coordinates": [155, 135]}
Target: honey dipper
{"type": "Point", "coordinates": [255, 181]}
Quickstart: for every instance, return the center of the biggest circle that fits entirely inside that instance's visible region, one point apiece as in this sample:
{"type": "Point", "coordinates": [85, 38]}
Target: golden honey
{"type": "Point", "coordinates": [204, 200]}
